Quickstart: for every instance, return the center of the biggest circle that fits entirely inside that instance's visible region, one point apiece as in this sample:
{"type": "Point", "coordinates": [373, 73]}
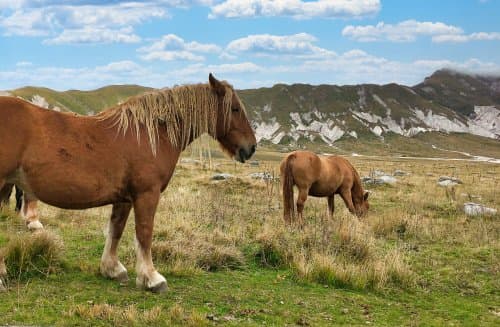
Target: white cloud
{"type": "Point", "coordinates": [404, 31]}
{"type": "Point", "coordinates": [461, 38]}
{"type": "Point", "coordinates": [409, 30]}
{"type": "Point", "coordinates": [121, 72]}
{"type": "Point", "coordinates": [296, 8]}
{"type": "Point", "coordinates": [228, 69]}
{"type": "Point", "coordinates": [95, 35]}
{"type": "Point", "coordinates": [357, 66]}
{"type": "Point", "coordinates": [172, 47]}
{"type": "Point", "coordinates": [24, 64]}
{"type": "Point", "coordinates": [297, 45]}
{"type": "Point", "coordinates": [75, 21]}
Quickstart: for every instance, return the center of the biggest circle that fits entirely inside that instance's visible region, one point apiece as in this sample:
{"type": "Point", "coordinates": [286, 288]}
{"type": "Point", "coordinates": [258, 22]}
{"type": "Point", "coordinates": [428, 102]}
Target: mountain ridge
{"type": "Point", "coordinates": [328, 115]}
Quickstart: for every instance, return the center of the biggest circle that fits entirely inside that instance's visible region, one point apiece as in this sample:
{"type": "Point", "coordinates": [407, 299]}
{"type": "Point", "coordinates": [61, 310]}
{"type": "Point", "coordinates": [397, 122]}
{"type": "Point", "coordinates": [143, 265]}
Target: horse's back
{"type": "Point", "coordinates": [305, 167]}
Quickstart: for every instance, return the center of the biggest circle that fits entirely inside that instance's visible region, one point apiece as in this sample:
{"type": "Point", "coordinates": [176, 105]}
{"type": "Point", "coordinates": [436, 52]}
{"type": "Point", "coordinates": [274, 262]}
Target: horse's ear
{"type": "Point", "coordinates": [365, 196]}
{"type": "Point", "coordinates": [216, 85]}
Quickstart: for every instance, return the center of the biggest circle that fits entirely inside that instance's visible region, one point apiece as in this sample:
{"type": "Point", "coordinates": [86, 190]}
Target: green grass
{"type": "Point", "coordinates": [453, 259]}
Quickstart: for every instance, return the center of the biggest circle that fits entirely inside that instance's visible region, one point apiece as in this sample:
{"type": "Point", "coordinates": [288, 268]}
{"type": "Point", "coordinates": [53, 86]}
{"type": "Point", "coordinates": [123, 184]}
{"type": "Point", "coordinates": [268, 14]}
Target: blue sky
{"type": "Point", "coordinates": [86, 44]}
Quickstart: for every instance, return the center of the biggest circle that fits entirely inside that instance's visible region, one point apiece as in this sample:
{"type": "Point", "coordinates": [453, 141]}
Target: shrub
{"type": "Point", "coordinates": [37, 254]}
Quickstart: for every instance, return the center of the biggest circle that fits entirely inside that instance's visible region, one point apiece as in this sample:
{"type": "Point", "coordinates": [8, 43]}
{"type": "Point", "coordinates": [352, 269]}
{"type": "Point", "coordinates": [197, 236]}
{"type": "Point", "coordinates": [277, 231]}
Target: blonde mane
{"type": "Point", "coordinates": [186, 111]}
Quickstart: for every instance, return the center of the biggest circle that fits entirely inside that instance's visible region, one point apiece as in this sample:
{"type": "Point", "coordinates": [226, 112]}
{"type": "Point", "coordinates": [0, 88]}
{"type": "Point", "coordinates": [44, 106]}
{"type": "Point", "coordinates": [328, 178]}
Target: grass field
{"type": "Point", "coordinates": [415, 260]}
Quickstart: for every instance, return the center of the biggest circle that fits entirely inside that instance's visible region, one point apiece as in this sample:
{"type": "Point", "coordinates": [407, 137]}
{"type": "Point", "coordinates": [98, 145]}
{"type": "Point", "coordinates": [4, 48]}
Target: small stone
{"type": "Point", "coordinates": [399, 172]}
{"type": "Point", "coordinates": [303, 322]}
{"type": "Point", "coordinates": [345, 311]}
{"type": "Point", "coordinates": [221, 176]}
{"type": "Point", "coordinates": [212, 317]}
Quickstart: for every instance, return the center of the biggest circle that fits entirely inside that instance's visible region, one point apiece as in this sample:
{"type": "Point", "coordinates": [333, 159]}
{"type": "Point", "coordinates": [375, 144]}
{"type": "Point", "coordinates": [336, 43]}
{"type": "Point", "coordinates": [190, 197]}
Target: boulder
{"type": "Point", "coordinates": [264, 176]}
{"type": "Point", "coordinates": [476, 209]}
{"type": "Point", "coordinates": [381, 180]}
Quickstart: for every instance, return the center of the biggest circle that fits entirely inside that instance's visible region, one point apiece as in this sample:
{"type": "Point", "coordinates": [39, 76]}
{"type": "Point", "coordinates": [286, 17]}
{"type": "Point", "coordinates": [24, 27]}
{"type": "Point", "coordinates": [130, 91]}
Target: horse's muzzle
{"type": "Point", "coordinates": [245, 153]}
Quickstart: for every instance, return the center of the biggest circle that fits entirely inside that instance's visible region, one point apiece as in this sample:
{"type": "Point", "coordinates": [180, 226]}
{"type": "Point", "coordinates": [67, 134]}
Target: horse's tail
{"type": "Point", "coordinates": [288, 182]}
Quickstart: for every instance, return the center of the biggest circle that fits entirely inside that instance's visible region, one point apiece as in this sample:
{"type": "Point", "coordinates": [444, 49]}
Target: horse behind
{"type": "Point", "coordinates": [320, 176]}
{"type": "Point", "coordinates": [5, 193]}
{"type": "Point", "coordinates": [124, 156]}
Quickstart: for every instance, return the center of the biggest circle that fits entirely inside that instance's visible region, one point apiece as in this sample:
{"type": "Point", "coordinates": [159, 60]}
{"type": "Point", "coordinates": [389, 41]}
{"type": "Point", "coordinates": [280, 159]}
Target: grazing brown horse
{"type": "Point", "coordinates": [124, 156]}
{"type": "Point", "coordinates": [321, 176]}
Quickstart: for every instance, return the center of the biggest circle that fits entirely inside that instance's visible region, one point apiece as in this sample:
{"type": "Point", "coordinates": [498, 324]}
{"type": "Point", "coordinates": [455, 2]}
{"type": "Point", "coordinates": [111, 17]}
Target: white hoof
{"type": "Point", "coordinates": [117, 272]}
{"type": "Point", "coordinates": [35, 225]}
{"type": "Point", "coordinates": [2, 287]}
{"type": "Point", "coordinates": [156, 283]}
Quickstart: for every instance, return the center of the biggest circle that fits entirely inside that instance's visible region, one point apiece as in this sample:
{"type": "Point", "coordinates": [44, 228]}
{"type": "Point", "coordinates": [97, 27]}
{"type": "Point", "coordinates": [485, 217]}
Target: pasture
{"type": "Point", "coordinates": [414, 260]}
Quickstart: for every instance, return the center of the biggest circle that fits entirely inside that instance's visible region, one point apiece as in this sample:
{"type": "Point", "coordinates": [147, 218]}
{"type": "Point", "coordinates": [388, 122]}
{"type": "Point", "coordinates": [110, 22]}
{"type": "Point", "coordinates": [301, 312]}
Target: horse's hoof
{"type": "Point", "coordinates": [35, 225]}
{"type": "Point", "coordinates": [118, 272]}
{"type": "Point", "coordinates": [155, 283]}
{"type": "Point", "coordinates": [122, 277]}
{"type": "Point", "coordinates": [159, 289]}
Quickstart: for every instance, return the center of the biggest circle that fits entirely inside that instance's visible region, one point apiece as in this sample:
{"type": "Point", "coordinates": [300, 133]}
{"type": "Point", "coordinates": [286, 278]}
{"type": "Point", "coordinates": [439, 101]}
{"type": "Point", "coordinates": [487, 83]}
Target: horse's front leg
{"type": "Point", "coordinates": [331, 205]}
{"type": "Point", "coordinates": [30, 214]}
{"type": "Point", "coordinates": [147, 277]}
{"type": "Point", "coordinates": [110, 264]}
{"type": "Point", "coordinates": [346, 195]}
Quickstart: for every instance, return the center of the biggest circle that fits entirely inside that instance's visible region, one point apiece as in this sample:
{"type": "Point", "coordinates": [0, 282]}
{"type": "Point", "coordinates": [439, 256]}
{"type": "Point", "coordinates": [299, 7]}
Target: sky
{"type": "Point", "coordinates": [87, 44]}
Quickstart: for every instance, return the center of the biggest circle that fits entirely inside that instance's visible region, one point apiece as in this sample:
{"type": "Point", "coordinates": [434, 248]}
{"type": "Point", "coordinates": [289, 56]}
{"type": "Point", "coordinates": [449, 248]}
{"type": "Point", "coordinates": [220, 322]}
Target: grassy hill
{"type": "Point", "coordinates": [82, 102]}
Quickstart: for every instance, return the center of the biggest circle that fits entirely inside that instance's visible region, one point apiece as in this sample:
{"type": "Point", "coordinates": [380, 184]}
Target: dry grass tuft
{"type": "Point", "coordinates": [330, 270]}
{"type": "Point", "coordinates": [275, 246]}
{"type": "Point", "coordinates": [178, 315]}
{"type": "Point", "coordinates": [37, 254]}
{"type": "Point", "coordinates": [187, 247]}
{"type": "Point", "coordinates": [128, 315]}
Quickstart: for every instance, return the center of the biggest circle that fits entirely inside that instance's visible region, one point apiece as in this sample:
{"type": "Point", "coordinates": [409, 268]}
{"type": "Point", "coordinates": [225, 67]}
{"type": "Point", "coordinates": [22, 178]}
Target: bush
{"type": "Point", "coordinates": [30, 255]}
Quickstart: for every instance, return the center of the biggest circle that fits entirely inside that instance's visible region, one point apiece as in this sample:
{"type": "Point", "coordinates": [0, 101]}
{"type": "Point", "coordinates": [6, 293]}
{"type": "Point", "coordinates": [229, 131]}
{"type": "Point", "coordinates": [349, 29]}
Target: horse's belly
{"type": "Point", "coordinates": [320, 190]}
{"type": "Point", "coordinates": [69, 191]}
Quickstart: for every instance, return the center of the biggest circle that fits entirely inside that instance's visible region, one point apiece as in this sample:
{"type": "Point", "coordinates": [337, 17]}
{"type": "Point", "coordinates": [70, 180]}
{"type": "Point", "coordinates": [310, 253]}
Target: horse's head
{"type": "Point", "coordinates": [233, 131]}
{"type": "Point", "coordinates": [361, 204]}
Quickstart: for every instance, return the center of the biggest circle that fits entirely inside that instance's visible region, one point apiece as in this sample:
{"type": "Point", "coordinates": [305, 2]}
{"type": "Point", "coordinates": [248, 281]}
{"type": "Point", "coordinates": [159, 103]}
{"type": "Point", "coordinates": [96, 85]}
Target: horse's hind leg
{"type": "Point", "coordinates": [19, 199]}
{"type": "Point", "coordinates": [300, 204]}
{"type": "Point", "coordinates": [30, 213]}
{"type": "Point", "coordinates": [110, 265]}
{"type": "Point", "coordinates": [5, 191]}
{"type": "Point", "coordinates": [144, 208]}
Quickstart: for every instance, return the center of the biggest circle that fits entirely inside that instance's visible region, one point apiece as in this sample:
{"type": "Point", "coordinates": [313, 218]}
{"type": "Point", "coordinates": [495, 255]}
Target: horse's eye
{"type": "Point", "coordinates": [235, 110]}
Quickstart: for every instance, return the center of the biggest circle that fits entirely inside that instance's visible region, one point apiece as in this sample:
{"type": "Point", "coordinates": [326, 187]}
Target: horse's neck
{"type": "Point", "coordinates": [357, 189]}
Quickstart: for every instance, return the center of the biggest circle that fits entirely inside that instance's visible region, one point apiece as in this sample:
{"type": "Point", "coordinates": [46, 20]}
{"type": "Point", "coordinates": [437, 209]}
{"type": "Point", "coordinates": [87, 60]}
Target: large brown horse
{"type": "Point", "coordinates": [321, 176]}
{"type": "Point", "coordinates": [124, 156]}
